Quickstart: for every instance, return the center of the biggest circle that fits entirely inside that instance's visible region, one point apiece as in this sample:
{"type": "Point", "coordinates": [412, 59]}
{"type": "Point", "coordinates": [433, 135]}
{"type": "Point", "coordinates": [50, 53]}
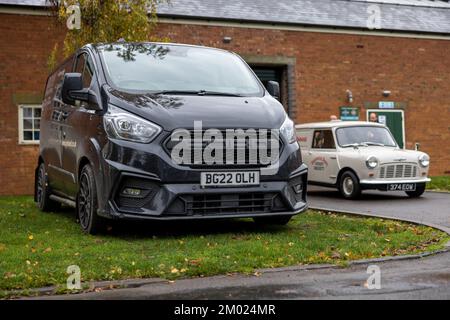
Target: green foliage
{"type": "Point", "coordinates": [107, 21]}
{"type": "Point", "coordinates": [439, 183]}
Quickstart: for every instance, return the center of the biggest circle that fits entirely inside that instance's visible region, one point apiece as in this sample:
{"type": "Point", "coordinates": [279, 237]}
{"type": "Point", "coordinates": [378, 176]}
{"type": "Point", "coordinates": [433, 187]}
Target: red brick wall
{"type": "Point", "coordinates": [25, 44]}
{"type": "Point", "coordinates": [417, 71]}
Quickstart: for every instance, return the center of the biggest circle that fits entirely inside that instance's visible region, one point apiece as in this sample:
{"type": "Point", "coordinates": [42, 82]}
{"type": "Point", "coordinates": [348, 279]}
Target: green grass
{"type": "Point", "coordinates": [36, 248]}
{"type": "Point", "coordinates": [439, 183]}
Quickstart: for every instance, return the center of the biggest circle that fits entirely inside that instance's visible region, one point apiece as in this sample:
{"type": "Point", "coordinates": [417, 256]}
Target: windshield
{"type": "Point", "coordinates": [364, 135]}
{"type": "Point", "coordinates": [162, 68]}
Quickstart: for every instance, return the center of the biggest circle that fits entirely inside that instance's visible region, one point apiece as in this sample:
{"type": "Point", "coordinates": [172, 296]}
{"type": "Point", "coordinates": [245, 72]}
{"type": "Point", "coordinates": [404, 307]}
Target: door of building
{"type": "Point", "coordinates": [394, 120]}
{"type": "Point", "coordinates": [271, 73]}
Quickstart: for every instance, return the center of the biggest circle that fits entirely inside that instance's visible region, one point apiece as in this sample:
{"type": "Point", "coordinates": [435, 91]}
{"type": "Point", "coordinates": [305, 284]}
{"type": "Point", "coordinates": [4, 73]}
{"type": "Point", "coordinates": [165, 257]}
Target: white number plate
{"type": "Point", "coordinates": [230, 178]}
{"type": "Point", "coordinates": [402, 187]}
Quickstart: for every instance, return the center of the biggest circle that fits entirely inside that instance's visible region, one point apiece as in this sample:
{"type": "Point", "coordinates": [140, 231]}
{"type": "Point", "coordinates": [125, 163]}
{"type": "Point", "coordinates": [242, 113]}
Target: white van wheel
{"type": "Point", "coordinates": [349, 185]}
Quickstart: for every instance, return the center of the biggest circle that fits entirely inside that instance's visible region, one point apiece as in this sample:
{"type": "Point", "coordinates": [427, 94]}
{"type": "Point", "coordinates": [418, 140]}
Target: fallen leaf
{"type": "Point", "coordinates": [174, 270]}
{"type": "Point", "coordinates": [30, 237]}
{"type": "Point", "coordinates": [9, 275]}
{"type": "Point", "coordinates": [336, 255]}
{"type": "Point", "coordinates": [47, 250]}
{"type": "Point", "coordinates": [195, 262]}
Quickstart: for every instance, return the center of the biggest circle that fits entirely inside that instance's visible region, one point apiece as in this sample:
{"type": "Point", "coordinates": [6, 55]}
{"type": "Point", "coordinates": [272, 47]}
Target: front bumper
{"type": "Point", "coordinates": [172, 192]}
{"type": "Point", "coordinates": [380, 184]}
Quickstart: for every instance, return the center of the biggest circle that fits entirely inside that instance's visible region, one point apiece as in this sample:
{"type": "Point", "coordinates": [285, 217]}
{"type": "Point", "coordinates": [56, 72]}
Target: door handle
{"type": "Point", "coordinates": [334, 158]}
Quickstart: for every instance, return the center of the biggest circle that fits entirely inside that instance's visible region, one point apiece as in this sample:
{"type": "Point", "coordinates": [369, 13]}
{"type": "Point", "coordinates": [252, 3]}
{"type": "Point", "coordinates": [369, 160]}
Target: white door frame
{"type": "Point", "coordinates": [391, 110]}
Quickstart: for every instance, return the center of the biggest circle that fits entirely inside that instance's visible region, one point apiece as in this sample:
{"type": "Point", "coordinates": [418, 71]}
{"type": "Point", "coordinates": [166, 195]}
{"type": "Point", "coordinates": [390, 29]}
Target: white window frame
{"type": "Point", "coordinates": [20, 117]}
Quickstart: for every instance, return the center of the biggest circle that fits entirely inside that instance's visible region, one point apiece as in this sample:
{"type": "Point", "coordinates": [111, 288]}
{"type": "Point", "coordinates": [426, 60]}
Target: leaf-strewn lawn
{"type": "Point", "coordinates": [36, 248]}
{"type": "Point", "coordinates": [439, 183]}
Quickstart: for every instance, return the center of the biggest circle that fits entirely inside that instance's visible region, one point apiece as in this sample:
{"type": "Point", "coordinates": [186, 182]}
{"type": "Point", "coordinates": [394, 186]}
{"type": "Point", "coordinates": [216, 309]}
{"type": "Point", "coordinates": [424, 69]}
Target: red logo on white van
{"type": "Point", "coordinates": [319, 163]}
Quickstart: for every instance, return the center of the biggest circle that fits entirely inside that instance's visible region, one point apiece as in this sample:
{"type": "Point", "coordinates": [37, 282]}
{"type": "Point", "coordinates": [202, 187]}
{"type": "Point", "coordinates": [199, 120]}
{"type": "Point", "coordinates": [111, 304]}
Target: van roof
{"type": "Point", "coordinates": [99, 46]}
{"type": "Point", "coordinates": [337, 124]}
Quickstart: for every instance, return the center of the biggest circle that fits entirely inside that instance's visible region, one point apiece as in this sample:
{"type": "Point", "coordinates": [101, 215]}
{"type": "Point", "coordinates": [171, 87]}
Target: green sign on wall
{"type": "Point", "coordinates": [349, 113]}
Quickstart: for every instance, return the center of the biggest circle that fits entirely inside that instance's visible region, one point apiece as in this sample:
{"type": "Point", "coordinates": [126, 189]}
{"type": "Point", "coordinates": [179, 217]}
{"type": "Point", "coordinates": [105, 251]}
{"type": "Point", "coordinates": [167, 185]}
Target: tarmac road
{"type": "Point", "coordinates": [433, 208]}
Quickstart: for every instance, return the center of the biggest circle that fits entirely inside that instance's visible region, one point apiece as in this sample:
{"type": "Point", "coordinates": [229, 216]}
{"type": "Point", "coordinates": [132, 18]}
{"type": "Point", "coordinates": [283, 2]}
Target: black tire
{"type": "Point", "coordinates": [349, 185]}
{"type": "Point", "coordinates": [43, 201]}
{"type": "Point", "coordinates": [274, 220]}
{"type": "Point", "coordinates": [87, 203]}
{"type": "Point", "coordinates": [420, 189]}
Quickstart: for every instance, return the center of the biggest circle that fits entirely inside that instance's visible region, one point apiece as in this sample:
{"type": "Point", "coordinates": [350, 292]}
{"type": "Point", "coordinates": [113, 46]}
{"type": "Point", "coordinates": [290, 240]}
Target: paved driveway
{"type": "Point", "coordinates": [433, 208]}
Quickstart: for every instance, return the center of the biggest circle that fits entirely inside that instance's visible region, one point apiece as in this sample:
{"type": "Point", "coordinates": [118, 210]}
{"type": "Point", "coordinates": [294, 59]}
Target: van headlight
{"type": "Point", "coordinates": [372, 162]}
{"type": "Point", "coordinates": [287, 130]}
{"type": "Point", "coordinates": [120, 124]}
{"type": "Point", "coordinates": [424, 160]}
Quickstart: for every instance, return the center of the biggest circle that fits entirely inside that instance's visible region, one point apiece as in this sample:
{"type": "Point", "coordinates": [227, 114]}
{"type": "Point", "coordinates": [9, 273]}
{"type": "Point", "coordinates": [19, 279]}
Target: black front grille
{"type": "Point", "coordinates": [252, 202]}
{"type": "Point", "coordinates": [243, 153]}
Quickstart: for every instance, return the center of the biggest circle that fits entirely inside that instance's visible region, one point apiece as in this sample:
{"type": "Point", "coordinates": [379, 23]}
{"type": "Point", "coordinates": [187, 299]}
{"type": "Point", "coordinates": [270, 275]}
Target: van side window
{"type": "Point", "coordinates": [84, 66]}
{"type": "Point", "coordinates": [59, 76]}
{"type": "Point", "coordinates": [323, 139]}
{"type": "Point", "coordinates": [79, 65]}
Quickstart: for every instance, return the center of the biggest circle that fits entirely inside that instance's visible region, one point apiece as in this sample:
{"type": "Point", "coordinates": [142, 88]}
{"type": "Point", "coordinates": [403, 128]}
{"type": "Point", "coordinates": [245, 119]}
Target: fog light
{"type": "Point", "coordinates": [298, 188]}
{"type": "Point", "coordinates": [132, 192]}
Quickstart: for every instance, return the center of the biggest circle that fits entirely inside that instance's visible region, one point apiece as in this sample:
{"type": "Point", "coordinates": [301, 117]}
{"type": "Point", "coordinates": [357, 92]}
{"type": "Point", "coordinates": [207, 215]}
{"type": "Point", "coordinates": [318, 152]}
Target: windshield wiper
{"type": "Point", "coordinates": [198, 92]}
{"type": "Point", "coordinates": [373, 143]}
{"type": "Point", "coordinates": [354, 145]}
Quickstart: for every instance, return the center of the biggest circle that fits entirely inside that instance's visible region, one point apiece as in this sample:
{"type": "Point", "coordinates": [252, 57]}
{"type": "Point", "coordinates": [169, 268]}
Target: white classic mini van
{"type": "Point", "coordinates": [353, 156]}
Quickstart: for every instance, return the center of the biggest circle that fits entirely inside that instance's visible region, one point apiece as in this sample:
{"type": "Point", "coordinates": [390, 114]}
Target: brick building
{"type": "Point", "coordinates": [321, 51]}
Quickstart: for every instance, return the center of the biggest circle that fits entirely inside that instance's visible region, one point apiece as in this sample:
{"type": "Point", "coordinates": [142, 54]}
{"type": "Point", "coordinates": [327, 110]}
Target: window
{"type": "Point", "coordinates": [365, 135]}
{"type": "Point", "coordinates": [29, 124]}
{"type": "Point", "coordinates": [323, 139]}
{"type": "Point", "coordinates": [84, 67]}
{"type": "Point", "coordinates": [156, 68]}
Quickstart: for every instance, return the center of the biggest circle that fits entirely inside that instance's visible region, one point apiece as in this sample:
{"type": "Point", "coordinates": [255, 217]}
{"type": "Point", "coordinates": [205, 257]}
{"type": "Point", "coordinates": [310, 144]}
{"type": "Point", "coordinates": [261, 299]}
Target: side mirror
{"type": "Point", "coordinates": [72, 90]}
{"type": "Point", "coordinates": [274, 89]}
{"type": "Point", "coordinates": [72, 82]}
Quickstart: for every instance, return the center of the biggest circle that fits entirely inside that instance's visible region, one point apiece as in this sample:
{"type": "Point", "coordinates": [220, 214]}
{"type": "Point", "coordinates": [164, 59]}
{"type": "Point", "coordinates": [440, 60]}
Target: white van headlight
{"type": "Point", "coordinates": [372, 162]}
{"type": "Point", "coordinates": [424, 160]}
{"type": "Point", "coordinates": [287, 130]}
{"type": "Point", "coordinates": [120, 124]}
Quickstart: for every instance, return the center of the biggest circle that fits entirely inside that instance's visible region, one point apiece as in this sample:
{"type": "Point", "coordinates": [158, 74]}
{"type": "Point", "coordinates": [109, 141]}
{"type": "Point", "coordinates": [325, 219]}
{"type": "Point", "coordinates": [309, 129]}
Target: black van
{"type": "Point", "coordinates": [166, 132]}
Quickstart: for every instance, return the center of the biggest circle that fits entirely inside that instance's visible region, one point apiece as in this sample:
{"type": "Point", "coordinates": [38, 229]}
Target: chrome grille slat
{"type": "Point", "coordinates": [398, 171]}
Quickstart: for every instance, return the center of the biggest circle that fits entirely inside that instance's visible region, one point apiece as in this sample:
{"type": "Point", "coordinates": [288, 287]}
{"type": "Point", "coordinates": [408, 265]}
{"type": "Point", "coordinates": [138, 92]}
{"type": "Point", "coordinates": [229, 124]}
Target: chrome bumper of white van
{"type": "Point", "coordinates": [374, 181]}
